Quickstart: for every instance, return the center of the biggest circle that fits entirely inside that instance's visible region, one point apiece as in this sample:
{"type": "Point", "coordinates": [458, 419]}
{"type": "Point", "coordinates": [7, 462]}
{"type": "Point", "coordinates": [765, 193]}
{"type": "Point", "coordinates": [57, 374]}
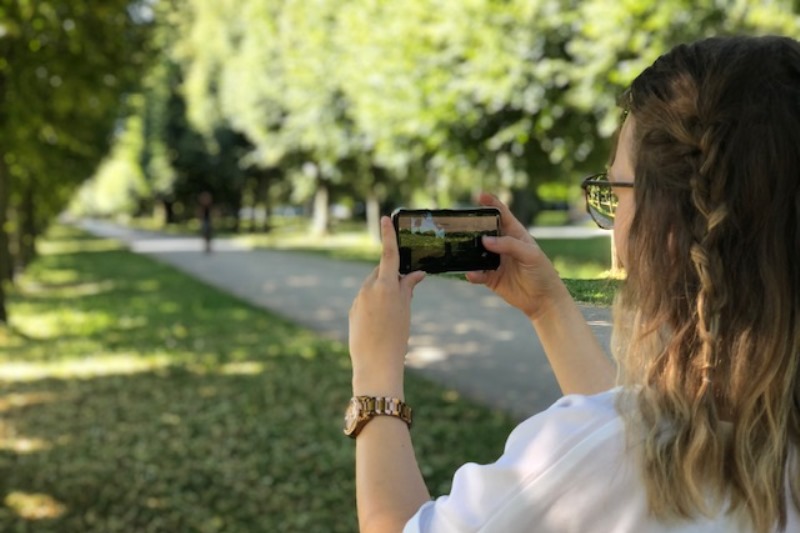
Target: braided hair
{"type": "Point", "coordinates": [711, 304]}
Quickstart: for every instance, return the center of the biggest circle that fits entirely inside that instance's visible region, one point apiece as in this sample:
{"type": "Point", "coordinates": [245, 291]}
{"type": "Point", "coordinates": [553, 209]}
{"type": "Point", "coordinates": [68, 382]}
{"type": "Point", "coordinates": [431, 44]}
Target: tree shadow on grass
{"type": "Point", "coordinates": [177, 451]}
{"type": "Point", "coordinates": [254, 447]}
{"type": "Point", "coordinates": [122, 307]}
{"type": "Point", "coordinates": [232, 422]}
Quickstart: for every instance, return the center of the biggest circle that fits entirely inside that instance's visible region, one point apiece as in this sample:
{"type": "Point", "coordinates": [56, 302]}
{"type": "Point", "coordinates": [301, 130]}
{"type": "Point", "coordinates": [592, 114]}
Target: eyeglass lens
{"type": "Point", "coordinates": [602, 204]}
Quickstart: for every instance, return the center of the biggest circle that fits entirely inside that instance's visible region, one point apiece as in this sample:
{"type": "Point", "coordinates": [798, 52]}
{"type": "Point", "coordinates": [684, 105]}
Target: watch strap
{"type": "Point", "coordinates": [371, 406]}
{"type": "Point", "coordinates": [381, 405]}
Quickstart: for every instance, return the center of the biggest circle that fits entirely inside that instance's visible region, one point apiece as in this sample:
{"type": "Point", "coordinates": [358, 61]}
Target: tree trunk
{"type": "Point", "coordinates": [5, 256]}
{"type": "Point", "coordinates": [169, 212]}
{"type": "Point", "coordinates": [266, 224]}
{"type": "Point", "coordinates": [253, 219]}
{"type": "Point", "coordinates": [253, 222]}
{"type": "Point", "coordinates": [525, 205]}
{"type": "Point", "coordinates": [263, 193]}
{"type": "Point", "coordinates": [236, 212]}
{"type": "Point", "coordinates": [321, 221]}
{"type": "Point", "coordinates": [373, 216]}
{"type": "Point", "coordinates": [27, 228]}
{"type": "Point", "coordinates": [265, 181]}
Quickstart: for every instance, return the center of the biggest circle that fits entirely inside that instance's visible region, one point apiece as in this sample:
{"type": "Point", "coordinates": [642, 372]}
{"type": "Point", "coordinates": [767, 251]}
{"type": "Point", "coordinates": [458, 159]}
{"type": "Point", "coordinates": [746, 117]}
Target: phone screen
{"type": "Point", "coordinates": [445, 240]}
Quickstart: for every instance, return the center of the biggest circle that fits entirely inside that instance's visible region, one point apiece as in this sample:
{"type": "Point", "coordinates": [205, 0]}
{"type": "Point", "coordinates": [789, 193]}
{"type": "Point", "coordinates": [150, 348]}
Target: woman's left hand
{"type": "Point", "coordinates": [380, 323]}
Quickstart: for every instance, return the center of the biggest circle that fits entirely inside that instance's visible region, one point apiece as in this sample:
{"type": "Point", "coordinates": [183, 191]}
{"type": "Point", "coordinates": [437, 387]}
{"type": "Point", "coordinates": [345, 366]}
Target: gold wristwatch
{"type": "Point", "coordinates": [362, 409]}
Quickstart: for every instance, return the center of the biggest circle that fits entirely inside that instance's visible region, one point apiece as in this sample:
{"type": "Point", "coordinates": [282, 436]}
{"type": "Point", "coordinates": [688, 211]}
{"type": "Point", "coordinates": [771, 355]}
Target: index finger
{"type": "Point", "coordinates": [389, 267]}
{"type": "Point", "coordinates": [510, 225]}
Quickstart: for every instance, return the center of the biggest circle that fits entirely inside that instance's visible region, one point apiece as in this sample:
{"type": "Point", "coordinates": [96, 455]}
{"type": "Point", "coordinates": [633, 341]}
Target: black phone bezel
{"type": "Point", "coordinates": [491, 261]}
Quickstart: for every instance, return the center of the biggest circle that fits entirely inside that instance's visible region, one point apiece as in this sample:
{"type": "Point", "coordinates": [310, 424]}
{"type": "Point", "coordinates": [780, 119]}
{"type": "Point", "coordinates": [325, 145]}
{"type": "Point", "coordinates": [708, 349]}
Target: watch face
{"type": "Point", "coordinates": [351, 416]}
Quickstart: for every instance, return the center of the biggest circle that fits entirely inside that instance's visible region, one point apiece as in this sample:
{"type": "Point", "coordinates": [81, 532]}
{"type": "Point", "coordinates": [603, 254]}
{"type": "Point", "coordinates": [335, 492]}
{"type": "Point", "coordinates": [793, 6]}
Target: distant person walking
{"type": "Point", "coordinates": [206, 202]}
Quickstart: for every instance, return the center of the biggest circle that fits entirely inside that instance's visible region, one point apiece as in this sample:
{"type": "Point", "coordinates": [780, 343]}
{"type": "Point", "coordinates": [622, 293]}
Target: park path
{"type": "Point", "coordinates": [462, 335]}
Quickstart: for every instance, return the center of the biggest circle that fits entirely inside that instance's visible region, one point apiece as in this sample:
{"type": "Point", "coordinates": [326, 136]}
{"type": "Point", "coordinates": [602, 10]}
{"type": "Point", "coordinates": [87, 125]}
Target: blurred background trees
{"type": "Point", "coordinates": [141, 105]}
{"type": "Point", "coordinates": [65, 68]}
{"type": "Point", "coordinates": [374, 104]}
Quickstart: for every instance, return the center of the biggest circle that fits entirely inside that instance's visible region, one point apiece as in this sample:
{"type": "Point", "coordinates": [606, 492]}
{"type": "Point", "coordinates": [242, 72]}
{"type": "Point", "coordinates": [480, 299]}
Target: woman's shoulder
{"type": "Point", "coordinates": [554, 462]}
{"type": "Point", "coordinates": [569, 421]}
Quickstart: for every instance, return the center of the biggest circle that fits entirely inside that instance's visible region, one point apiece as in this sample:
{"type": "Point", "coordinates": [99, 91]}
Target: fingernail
{"type": "Point", "coordinates": [489, 239]}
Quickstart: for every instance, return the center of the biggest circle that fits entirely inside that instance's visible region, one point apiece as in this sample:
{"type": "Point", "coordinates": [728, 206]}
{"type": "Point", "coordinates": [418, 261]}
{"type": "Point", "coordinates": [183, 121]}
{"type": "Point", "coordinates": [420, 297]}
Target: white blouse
{"type": "Point", "coordinates": [564, 470]}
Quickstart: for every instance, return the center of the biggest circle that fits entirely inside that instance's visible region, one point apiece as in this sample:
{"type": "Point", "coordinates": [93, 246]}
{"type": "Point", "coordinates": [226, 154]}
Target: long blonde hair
{"type": "Point", "coordinates": [709, 316]}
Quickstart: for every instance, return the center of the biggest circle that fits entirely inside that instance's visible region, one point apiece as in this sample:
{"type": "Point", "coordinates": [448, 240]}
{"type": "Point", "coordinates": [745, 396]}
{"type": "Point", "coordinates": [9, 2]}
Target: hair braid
{"type": "Point", "coordinates": [712, 214]}
{"type": "Point", "coordinates": [699, 439]}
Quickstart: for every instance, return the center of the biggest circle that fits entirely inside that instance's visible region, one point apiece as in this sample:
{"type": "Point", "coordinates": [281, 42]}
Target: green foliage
{"type": "Point", "coordinates": [421, 101]}
{"type": "Point", "coordinates": [64, 67]}
{"type": "Point", "coordinates": [137, 399]}
{"type": "Point", "coordinates": [118, 181]}
{"type": "Point", "coordinates": [156, 114]}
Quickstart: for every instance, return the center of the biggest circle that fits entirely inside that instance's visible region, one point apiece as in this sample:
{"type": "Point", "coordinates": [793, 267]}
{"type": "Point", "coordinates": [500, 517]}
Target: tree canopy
{"type": "Point", "coordinates": [423, 101]}
{"type": "Point", "coordinates": [368, 102]}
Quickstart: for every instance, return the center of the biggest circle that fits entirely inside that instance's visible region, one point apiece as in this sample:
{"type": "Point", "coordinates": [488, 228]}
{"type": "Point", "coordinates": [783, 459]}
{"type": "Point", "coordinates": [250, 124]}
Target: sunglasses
{"type": "Point", "coordinates": [601, 202]}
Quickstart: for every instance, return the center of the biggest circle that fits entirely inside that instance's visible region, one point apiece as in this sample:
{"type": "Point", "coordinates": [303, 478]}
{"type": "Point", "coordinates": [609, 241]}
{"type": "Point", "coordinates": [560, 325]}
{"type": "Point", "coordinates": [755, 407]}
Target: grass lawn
{"type": "Point", "coordinates": [134, 398]}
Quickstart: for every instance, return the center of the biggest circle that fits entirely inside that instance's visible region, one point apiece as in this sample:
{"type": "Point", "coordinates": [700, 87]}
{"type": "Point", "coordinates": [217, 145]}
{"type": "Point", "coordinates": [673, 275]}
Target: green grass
{"type": "Point", "coordinates": [134, 398]}
{"type": "Point", "coordinates": [593, 291]}
{"type": "Point", "coordinates": [584, 267]}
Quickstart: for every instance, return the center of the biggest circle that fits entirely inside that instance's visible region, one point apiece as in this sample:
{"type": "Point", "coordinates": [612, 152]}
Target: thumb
{"type": "Point", "coordinates": [411, 280]}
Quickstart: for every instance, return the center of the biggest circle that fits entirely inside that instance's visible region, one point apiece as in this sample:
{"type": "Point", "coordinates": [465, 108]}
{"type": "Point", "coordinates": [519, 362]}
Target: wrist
{"type": "Point", "coordinates": [558, 312]}
{"type": "Point", "coordinates": [372, 385]}
{"type": "Point", "coordinates": [551, 304]}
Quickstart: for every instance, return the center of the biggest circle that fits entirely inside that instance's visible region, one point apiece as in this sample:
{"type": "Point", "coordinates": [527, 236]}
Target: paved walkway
{"type": "Point", "coordinates": [462, 335]}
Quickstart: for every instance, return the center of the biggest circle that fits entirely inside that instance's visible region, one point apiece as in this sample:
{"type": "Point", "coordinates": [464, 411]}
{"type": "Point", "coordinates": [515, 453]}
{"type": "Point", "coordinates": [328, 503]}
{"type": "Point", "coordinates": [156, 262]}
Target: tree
{"type": "Point", "coordinates": [64, 67]}
{"type": "Point", "coordinates": [271, 73]}
{"type": "Point", "coordinates": [421, 101]}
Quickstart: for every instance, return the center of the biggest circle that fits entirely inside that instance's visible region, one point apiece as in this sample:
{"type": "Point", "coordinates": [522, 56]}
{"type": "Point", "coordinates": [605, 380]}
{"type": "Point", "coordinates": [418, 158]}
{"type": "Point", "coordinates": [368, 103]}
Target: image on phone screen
{"type": "Point", "coordinates": [446, 240]}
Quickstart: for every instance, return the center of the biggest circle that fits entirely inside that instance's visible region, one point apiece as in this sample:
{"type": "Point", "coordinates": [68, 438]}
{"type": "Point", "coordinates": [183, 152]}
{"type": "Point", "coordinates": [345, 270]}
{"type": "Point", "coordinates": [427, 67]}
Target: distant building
{"type": "Point", "coordinates": [424, 225]}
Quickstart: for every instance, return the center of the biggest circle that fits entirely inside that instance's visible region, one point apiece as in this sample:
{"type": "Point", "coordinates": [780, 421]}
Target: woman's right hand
{"type": "Point", "coordinates": [526, 278]}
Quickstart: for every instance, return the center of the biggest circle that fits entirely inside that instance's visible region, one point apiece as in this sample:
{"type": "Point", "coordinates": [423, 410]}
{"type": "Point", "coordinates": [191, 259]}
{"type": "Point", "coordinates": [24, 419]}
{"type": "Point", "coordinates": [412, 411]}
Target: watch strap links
{"type": "Point", "coordinates": [392, 407]}
{"type": "Point", "coordinates": [371, 406]}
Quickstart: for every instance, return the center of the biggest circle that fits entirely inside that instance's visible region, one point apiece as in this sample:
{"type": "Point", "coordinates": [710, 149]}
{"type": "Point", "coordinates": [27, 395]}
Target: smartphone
{"type": "Point", "coordinates": [445, 240]}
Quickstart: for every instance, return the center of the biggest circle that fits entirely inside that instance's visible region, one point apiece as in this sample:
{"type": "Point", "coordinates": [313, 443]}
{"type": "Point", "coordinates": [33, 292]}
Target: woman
{"type": "Point", "coordinates": [702, 431]}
